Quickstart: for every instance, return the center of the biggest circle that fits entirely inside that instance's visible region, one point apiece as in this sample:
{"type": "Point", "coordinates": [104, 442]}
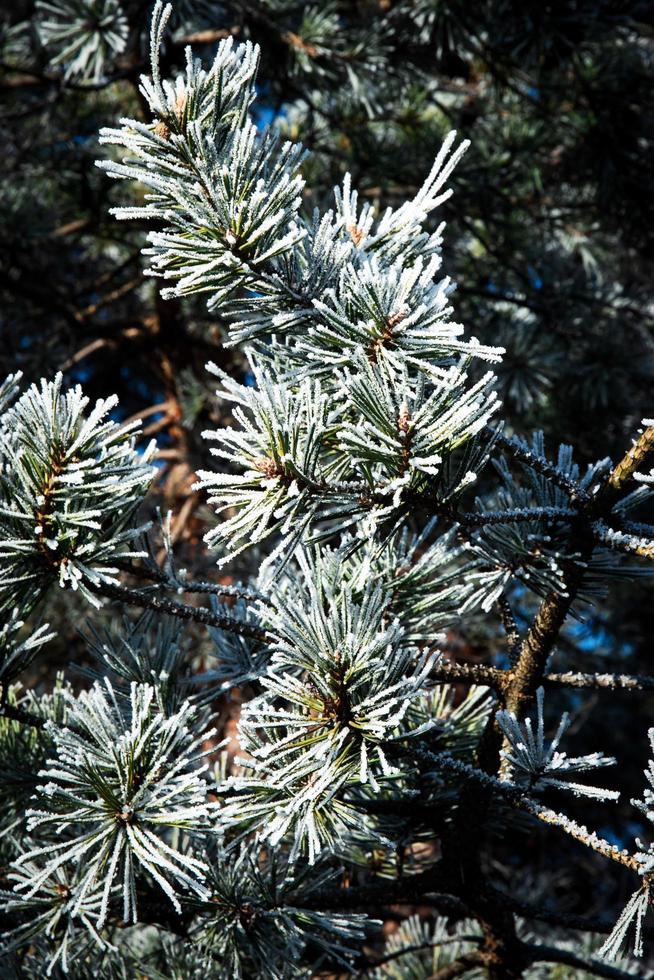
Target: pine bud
{"type": "Point", "coordinates": [162, 130]}
{"type": "Point", "coordinates": [404, 418]}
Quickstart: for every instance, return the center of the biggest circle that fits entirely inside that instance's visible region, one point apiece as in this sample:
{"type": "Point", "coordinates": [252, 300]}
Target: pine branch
{"type": "Point", "coordinates": [521, 452]}
{"type": "Point", "coordinates": [470, 674]}
{"type": "Point", "coordinates": [513, 638]}
{"type": "Point", "coordinates": [459, 967]}
{"type": "Point", "coordinates": [581, 834]}
{"type": "Point", "coordinates": [539, 642]}
{"type": "Point", "coordinates": [516, 795]}
{"type": "Point", "coordinates": [208, 36]}
{"type": "Point", "coordinates": [153, 573]}
{"type": "Point", "coordinates": [601, 682]}
{"type": "Point", "coordinates": [550, 954]}
{"type": "Point", "coordinates": [500, 680]}
{"type": "Point", "coordinates": [517, 516]}
{"type": "Point", "coordinates": [554, 609]}
{"type": "Point", "coordinates": [619, 541]}
{"type": "Point", "coordinates": [469, 773]}
{"type": "Point", "coordinates": [147, 600]}
{"type": "Point", "coordinates": [413, 889]}
{"type": "Point", "coordinates": [397, 953]}
{"type": "Point", "coordinates": [632, 459]}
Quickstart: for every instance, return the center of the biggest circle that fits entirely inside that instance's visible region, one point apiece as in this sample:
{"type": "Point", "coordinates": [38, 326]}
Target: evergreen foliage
{"type": "Point", "coordinates": [69, 486]}
{"type": "Point", "coordinates": [362, 485]}
{"type": "Point", "coordinates": [82, 35]}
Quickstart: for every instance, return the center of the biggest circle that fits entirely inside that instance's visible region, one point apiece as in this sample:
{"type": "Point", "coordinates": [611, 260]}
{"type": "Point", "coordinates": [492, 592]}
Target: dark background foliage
{"type": "Point", "coordinates": [549, 235]}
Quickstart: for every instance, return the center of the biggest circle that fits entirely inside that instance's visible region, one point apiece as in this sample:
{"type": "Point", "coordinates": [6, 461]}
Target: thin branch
{"type": "Point", "coordinates": [564, 920]}
{"type": "Point", "coordinates": [540, 640]}
{"type": "Point", "coordinates": [98, 344]}
{"type": "Point", "coordinates": [470, 674]}
{"type": "Point", "coordinates": [499, 680]}
{"type": "Point", "coordinates": [458, 967]}
{"type": "Point", "coordinates": [209, 36]}
{"type": "Point", "coordinates": [554, 609]}
{"type": "Point", "coordinates": [144, 413]}
{"type": "Point", "coordinates": [447, 941]}
{"type": "Point", "coordinates": [523, 454]}
{"type": "Point", "coordinates": [550, 954]}
{"type": "Point", "coordinates": [619, 541]}
{"type": "Point", "coordinates": [467, 772]}
{"type": "Point", "coordinates": [198, 614]}
{"type": "Point", "coordinates": [513, 638]}
{"type": "Point", "coordinates": [601, 682]}
{"type": "Point", "coordinates": [153, 573]}
{"type": "Point", "coordinates": [632, 459]}
{"type": "Point", "coordinates": [111, 297]}
{"type": "Point", "coordinates": [514, 793]}
{"type": "Point", "coordinates": [581, 834]}
{"type": "Point", "coordinates": [516, 516]}
{"type": "Point", "coordinates": [70, 228]}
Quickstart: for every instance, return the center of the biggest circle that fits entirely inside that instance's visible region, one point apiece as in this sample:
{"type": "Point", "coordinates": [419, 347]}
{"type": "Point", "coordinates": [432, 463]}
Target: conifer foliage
{"type": "Point", "coordinates": [371, 768]}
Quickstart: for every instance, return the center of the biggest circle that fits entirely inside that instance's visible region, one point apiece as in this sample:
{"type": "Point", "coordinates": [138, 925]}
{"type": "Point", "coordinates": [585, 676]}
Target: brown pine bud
{"type": "Point", "coordinates": [180, 105]}
{"type": "Point", "coordinates": [404, 418]}
{"type": "Point", "coordinates": [269, 467]}
{"type": "Point", "coordinates": [356, 233]}
{"type": "Point", "coordinates": [396, 318]}
{"type": "Point", "coordinates": [162, 130]}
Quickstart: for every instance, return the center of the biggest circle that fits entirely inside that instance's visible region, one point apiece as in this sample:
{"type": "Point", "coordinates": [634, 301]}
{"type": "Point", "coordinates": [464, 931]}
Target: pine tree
{"type": "Point", "coordinates": [367, 499]}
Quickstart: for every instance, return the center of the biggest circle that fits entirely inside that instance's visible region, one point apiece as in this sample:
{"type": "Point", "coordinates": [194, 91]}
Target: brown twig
{"type": "Point", "coordinates": [632, 459]}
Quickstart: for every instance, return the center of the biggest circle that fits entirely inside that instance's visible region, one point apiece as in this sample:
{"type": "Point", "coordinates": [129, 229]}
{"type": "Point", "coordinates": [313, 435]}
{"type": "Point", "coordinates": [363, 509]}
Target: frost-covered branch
{"type": "Point", "coordinates": [360, 771]}
{"type": "Point", "coordinates": [70, 486]}
{"type": "Point", "coordinates": [580, 833]}
{"type": "Point", "coordinates": [601, 682]}
{"type": "Point", "coordinates": [161, 603]}
{"type": "Point", "coordinates": [634, 457]}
